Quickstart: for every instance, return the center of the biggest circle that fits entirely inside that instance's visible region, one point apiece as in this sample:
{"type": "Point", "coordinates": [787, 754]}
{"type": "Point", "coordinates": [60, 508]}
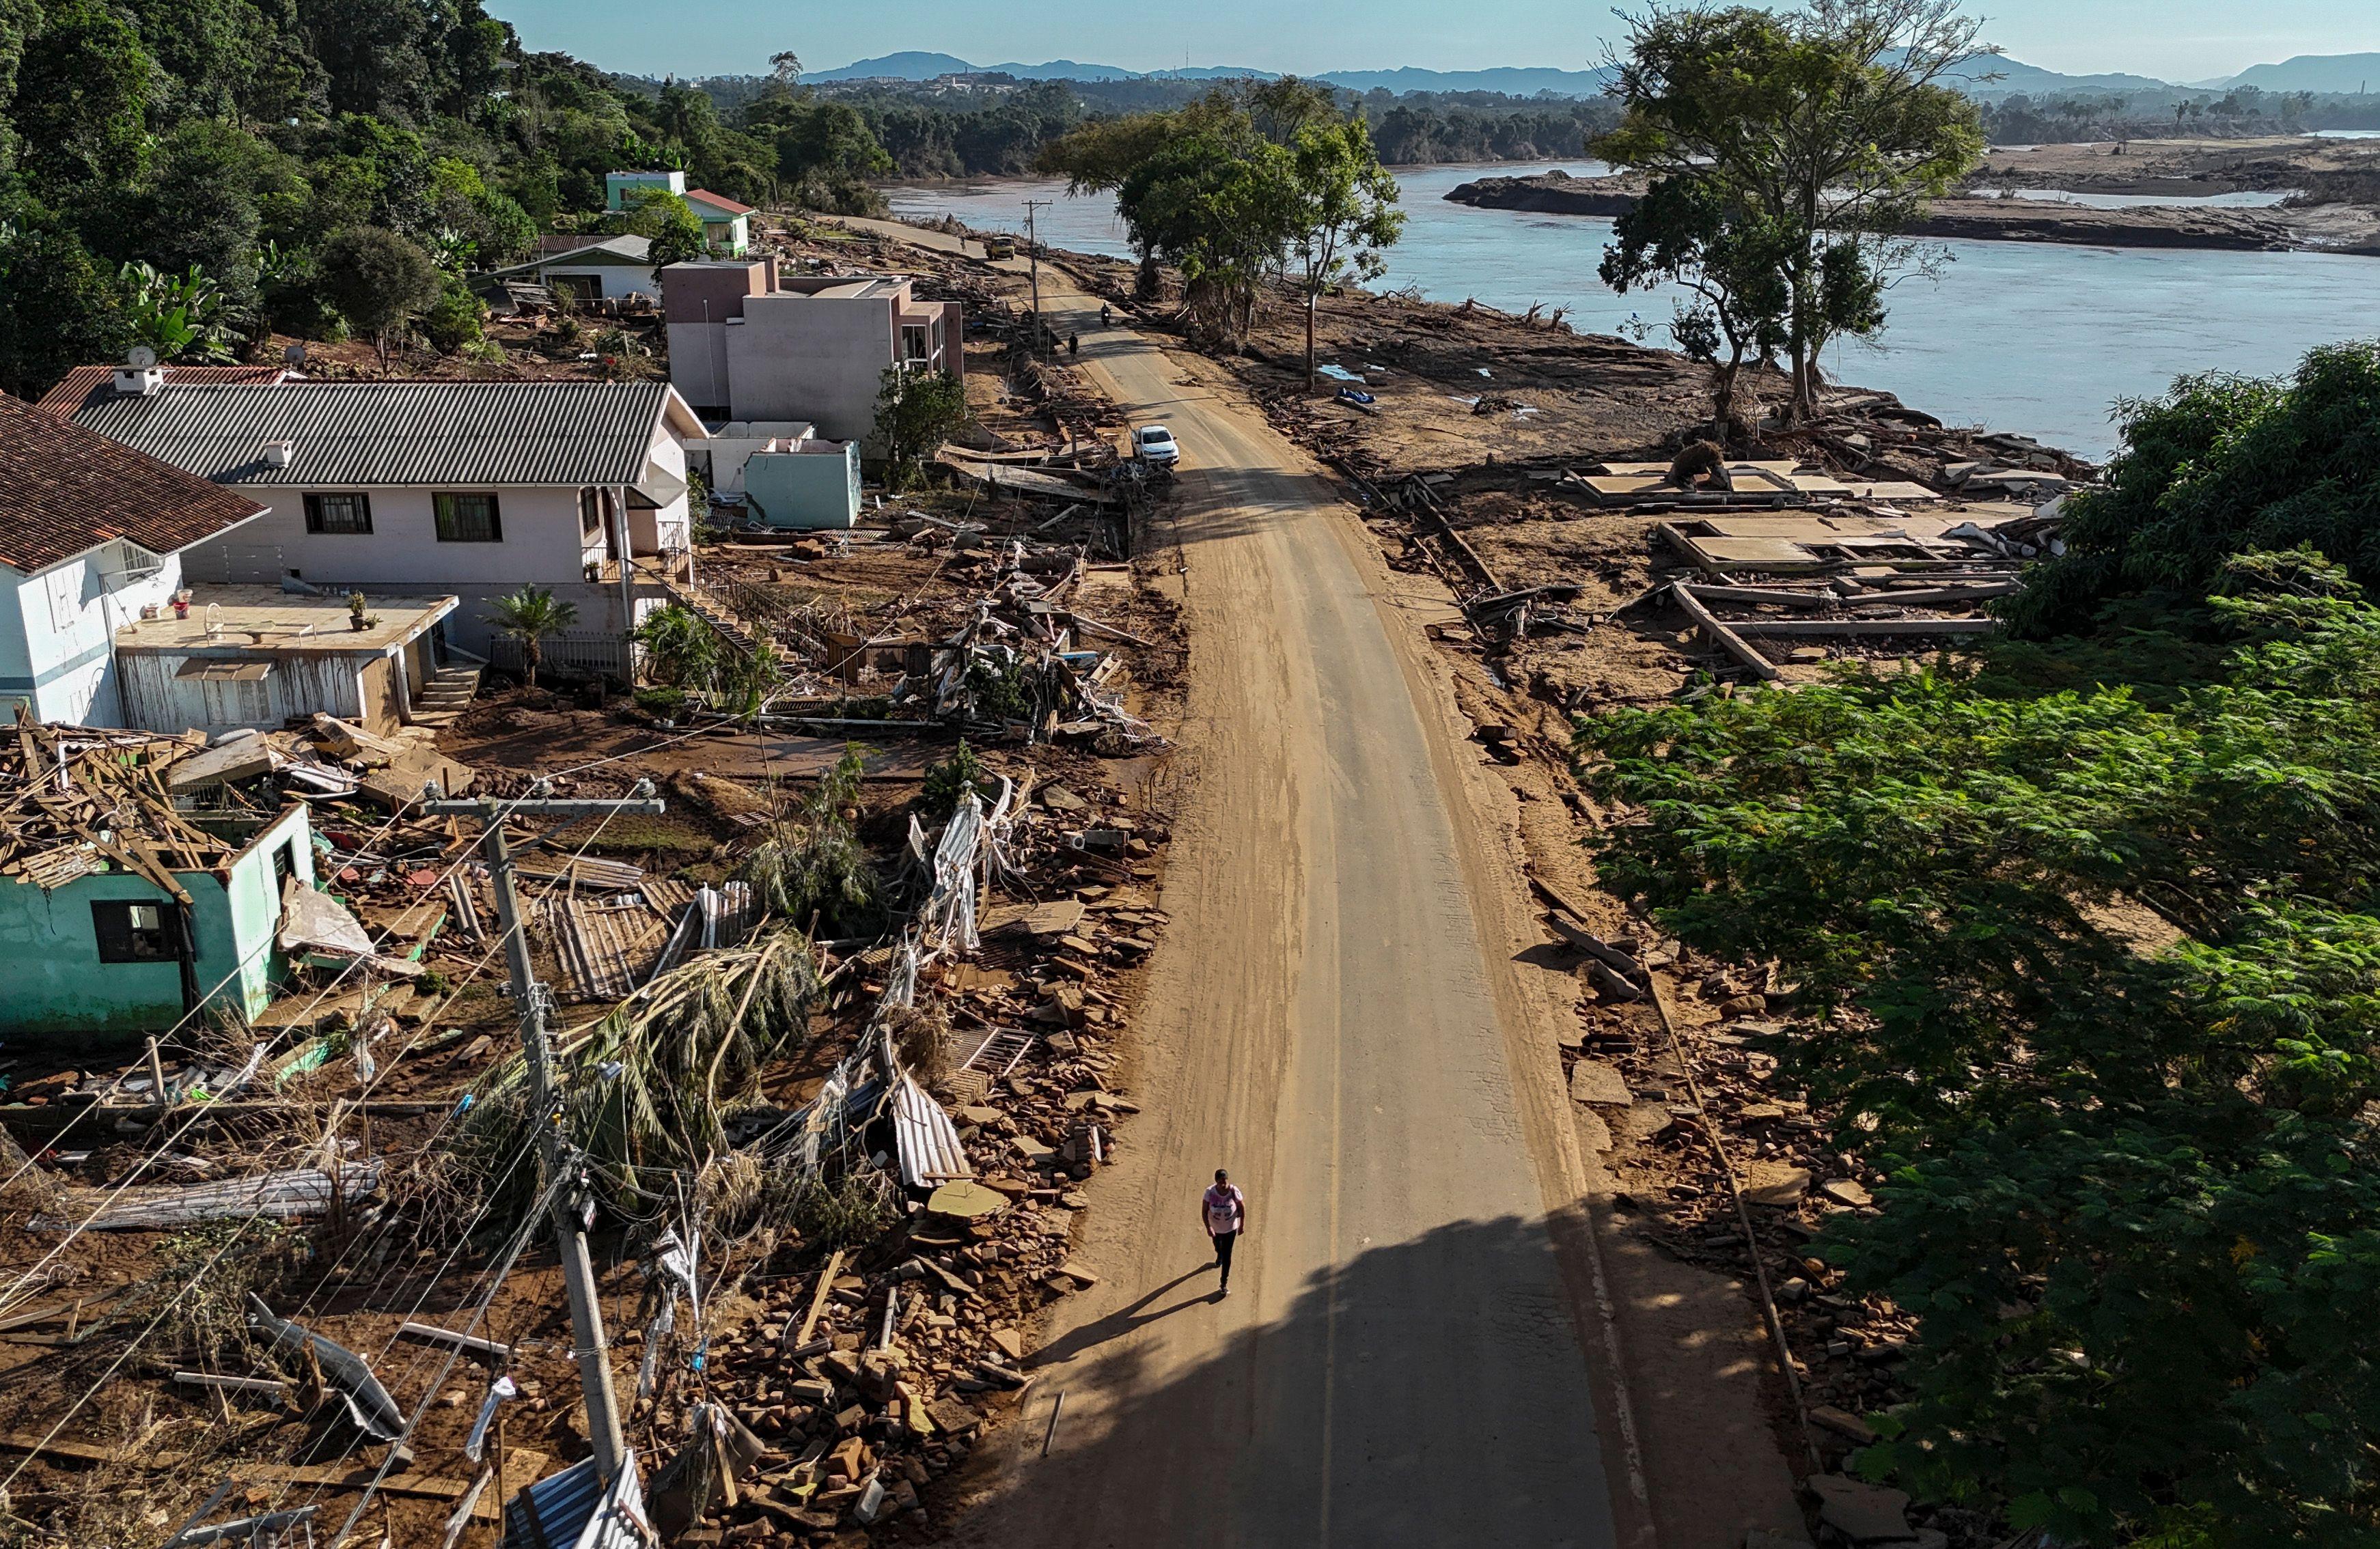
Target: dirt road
{"type": "Point", "coordinates": [1401, 1360]}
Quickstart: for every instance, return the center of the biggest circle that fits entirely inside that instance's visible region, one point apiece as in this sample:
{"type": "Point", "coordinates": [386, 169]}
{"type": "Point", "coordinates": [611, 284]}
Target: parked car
{"type": "Point", "coordinates": [1154, 444]}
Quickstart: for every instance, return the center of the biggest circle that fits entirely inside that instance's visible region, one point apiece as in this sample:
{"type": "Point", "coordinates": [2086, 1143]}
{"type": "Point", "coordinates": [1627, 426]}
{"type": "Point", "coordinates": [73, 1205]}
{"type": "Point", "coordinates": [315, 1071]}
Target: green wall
{"type": "Point", "coordinates": [805, 490]}
{"type": "Point", "coordinates": [55, 981]}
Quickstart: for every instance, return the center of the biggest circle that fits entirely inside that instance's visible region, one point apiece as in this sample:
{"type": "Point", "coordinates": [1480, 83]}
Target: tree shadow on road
{"type": "Point", "coordinates": [1427, 1392]}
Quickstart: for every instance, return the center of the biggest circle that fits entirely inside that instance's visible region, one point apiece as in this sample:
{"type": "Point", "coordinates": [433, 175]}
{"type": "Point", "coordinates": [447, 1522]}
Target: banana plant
{"type": "Point", "coordinates": [180, 317]}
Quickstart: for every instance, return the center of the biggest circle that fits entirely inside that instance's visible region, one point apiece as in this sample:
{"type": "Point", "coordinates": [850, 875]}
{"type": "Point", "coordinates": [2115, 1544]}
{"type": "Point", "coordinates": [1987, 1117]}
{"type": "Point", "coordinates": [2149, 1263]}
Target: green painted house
{"type": "Point", "coordinates": [113, 954]}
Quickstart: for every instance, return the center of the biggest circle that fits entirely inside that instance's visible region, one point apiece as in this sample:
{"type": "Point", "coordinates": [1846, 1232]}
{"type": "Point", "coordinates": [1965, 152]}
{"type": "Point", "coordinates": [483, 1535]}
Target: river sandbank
{"type": "Point", "coordinates": [2328, 227]}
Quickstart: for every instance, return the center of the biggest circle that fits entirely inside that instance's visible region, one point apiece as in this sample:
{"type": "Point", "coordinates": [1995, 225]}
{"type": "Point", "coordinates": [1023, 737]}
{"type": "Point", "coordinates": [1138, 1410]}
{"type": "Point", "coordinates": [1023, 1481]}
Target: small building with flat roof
{"type": "Point", "coordinates": [251, 656]}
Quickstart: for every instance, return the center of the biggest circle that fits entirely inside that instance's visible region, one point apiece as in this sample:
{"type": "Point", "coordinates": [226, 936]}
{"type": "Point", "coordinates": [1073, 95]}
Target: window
{"type": "Point", "coordinates": [130, 932]}
{"type": "Point", "coordinates": [467, 518]}
{"type": "Point", "coordinates": [591, 516]}
{"type": "Point", "coordinates": [345, 510]}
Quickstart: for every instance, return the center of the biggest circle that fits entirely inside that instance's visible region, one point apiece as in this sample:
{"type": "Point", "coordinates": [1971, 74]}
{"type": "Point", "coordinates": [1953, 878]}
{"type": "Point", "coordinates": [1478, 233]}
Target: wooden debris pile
{"type": "Point", "coordinates": [81, 800]}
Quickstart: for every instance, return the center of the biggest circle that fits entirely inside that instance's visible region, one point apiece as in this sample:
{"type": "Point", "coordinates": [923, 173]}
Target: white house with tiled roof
{"type": "Point", "coordinates": [91, 533]}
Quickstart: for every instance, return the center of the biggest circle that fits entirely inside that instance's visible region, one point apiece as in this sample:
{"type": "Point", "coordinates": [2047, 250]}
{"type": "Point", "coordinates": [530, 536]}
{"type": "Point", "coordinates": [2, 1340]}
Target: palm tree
{"type": "Point", "coordinates": [529, 615]}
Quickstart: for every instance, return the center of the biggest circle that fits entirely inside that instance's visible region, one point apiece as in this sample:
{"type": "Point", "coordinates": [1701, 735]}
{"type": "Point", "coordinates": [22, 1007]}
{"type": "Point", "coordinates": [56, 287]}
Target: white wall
{"type": "Point", "coordinates": [57, 629]}
{"type": "Point", "coordinates": [157, 699]}
{"type": "Point", "coordinates": [541, 543]}
{"type": "Point", "coordinates": [616, 279]}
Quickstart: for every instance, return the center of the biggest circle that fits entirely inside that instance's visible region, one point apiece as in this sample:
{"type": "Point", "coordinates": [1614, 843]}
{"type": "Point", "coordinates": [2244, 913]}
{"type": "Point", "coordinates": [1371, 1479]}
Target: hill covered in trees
{"type": "Point", "coordinates": [174, 171]}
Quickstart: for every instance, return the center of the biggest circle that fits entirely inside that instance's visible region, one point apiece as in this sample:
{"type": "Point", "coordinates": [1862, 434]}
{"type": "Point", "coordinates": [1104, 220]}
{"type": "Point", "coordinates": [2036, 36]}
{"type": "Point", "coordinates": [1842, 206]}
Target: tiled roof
{"type": "Point", "coordinates": [719, 201]}
{"type": "Point", "coordinates": [65, 491]}
{"type": "Point", "coordinates": [365, 433]}
{"type": "Point", "coordinates": [85, 382]}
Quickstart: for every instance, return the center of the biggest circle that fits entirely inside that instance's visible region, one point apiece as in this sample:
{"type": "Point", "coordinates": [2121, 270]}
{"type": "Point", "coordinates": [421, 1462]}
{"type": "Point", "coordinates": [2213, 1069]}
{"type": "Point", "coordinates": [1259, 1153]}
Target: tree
{"type": "Point", "coordinates": [374, 52]}
{"type": "Point", "coordinates": [200, 206]}
{"type": "Point", "coordinates": [379, 281]}
{"type": "Point", "coordinates": [453, 322]}
{"type": "Point", "coordinates": [2219, 466]}
{"type": "Point", "coordinates": [1222, 206]}
{"type": "Point", "coordinates": [1097, 157]}
{"type": "Point", "coordinates": [785, 68]}
{"type": "Point", "coordinates": [1832, 124]}
{"type": "Point", "coordinates": [825, 151]}
{"type": "Point", "coordinates": [1685, 232]}
{"type": "Point", "coordinates": [915, 412]}
{"type": "Point", "coordinates": [1344, 211]}
{"type": "Point", "coordinates": [529, 615]}
{"type": "Point", "coordinates": [672, 226]}
{"type": "Point", "coordinates": [58, 307]}
{"type": "Point", "coordinates": [2091, 984]}
{"type": "Point", "coordinates": [82, 93]}
{"type": "Point", "coordinates": [681, 650]}
{"type": "Point", "coordinates": [179, 316]}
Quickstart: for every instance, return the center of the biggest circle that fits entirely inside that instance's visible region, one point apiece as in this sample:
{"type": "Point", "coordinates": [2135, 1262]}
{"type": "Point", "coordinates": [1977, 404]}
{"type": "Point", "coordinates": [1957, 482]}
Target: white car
{"type": "Point", "coordinates": [1154, 444]}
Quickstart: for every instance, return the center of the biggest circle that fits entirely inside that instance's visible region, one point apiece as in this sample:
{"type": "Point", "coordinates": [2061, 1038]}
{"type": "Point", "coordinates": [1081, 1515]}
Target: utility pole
{"type": "Point", "coordinates": [1033, 255]}
{"type": "Point", "coordinates": [532, 998]}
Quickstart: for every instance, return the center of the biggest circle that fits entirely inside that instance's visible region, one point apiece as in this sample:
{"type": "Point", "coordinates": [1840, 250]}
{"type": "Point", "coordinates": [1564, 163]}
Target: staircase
{"type": "Point", "coordinates": [447, 695]}
{"type": "Point", "coordinates": [707, 607]}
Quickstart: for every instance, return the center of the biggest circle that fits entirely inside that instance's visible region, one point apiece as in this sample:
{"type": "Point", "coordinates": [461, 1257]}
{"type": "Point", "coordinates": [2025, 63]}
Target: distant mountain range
{"type": "Point", "coordinates": [2311, 72]}
{"type": "Point", "coordinates": [915, 64]}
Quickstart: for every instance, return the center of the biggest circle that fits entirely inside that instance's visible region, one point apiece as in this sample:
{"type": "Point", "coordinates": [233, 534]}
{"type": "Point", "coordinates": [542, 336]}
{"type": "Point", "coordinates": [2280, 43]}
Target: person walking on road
{"type": "Point", "coordinates": [1224, 1211]}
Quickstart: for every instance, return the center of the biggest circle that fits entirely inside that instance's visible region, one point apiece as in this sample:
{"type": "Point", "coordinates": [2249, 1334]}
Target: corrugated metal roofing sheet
{"type": "Point", "coordinates": [927, 1140]}
{"type": "Point", "coordinates": [572, 1510]}
{"type": "Point", "coordinates": [365, 433]}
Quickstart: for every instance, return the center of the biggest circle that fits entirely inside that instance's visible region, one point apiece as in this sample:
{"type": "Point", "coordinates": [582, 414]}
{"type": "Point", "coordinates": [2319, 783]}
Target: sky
{"type": "Point", "coordinates": [2174, 40]}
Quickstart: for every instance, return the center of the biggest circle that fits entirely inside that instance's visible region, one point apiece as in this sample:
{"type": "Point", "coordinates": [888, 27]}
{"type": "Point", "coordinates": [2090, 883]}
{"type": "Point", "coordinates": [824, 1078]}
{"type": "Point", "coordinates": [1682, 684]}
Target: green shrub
{"type": "Point", "coordinates": [948, 782]}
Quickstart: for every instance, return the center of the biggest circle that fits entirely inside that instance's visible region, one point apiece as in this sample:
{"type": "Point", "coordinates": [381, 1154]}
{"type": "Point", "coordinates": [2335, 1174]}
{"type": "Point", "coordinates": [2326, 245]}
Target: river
{"type": "Point", "coordinates": [2040, 339]}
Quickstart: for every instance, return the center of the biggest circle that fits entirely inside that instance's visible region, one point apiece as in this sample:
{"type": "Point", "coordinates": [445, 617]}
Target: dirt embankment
{"type": "Point", "coordinates": [1981, 220]}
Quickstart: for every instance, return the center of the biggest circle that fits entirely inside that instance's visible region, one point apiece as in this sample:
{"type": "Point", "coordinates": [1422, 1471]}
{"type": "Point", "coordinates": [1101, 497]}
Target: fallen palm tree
{"type": "Point", "coordinates": [650, 1089]}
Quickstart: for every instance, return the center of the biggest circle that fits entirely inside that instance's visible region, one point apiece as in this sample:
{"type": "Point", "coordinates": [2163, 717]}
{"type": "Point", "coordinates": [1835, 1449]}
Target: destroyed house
{"type": "Point", "coordinates": [608, 269]}
{"type": "Point", "coordinates": [468, 489]}
{"type": "Point", "coordinates": [120, 913]}
{"type": "Point", "coordinates": [91, 533]}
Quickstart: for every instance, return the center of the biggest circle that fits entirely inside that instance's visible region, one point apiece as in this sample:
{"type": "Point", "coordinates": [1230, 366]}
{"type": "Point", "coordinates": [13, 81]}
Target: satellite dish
{"type": "Point", "coordinates": [141, 356]}
{"type": "Point", "coordinates": [294, 354]}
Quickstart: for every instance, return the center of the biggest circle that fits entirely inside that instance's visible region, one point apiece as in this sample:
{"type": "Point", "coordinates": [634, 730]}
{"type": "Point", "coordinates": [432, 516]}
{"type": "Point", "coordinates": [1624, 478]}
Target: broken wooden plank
{"type": "Point", "coordinates": [289, 1195]}
{"type": "Point", "coordinates": [1722, 636]}
{"type": "Point", "coordinates": [1826, 627]}
{"type": "Point", "coordinates": [817, 1298]}
{"type": "Point", "coordinates": [261, 1387]}
{"type": "Point", "coordinates": [1595, 947]}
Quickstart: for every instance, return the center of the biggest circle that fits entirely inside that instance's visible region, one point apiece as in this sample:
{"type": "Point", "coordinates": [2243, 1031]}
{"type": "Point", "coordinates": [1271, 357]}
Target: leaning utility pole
{"type": "Point", "coordinates": [1033, 256]}
{"type": "Point", "coordinates": [532, 998]}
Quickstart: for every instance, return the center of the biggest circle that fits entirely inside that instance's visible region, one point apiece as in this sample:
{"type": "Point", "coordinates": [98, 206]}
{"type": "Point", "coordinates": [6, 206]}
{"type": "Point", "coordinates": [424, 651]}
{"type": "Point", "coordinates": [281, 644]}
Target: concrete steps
{"type": "Point", "coordinates": [711, 610]}
{"type": "Point", "coordinates": [446, 695]}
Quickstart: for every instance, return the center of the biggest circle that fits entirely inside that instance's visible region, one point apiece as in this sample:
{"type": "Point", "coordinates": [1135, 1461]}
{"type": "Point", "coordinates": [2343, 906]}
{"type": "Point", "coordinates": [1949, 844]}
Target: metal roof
{"type": "Point", "coordinates": [630, 250]}
{"type": "Point", "coordinates": [927, 1140]}
{"type": "Point", "coordinates": [573, 1511]}
{"type": "Point", "coordinates": [362, 433]}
